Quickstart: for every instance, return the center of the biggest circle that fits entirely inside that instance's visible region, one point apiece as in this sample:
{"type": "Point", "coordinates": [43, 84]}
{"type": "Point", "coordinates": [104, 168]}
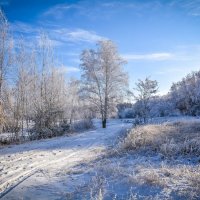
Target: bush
{"type": "Point", "coordinates": [36, 133]}
{"type": "Point", "coordinates": [65, 126]}
{"type": "Point", "coordinates": [6, 141]}
{"type": "Point", "coordinates": [82, 125]}
{"type": "Point", "coordinates": [10, 138]}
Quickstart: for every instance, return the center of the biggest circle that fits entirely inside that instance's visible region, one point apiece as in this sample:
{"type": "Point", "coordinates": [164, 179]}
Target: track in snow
{"type": "Point", "coordinates": [20, 162]}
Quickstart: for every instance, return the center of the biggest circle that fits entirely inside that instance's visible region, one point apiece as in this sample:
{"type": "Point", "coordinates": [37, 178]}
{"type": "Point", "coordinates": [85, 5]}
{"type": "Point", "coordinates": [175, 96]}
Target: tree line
{"type": "Point", "coordinates": [182, 99]}
{"type": "Point", "coordinates": [36, 96]}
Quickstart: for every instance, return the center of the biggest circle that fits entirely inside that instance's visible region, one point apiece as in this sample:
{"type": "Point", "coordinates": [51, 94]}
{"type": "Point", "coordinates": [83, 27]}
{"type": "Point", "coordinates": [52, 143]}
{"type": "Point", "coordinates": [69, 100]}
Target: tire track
{"type": "Point", "coordinates": [51, 155]}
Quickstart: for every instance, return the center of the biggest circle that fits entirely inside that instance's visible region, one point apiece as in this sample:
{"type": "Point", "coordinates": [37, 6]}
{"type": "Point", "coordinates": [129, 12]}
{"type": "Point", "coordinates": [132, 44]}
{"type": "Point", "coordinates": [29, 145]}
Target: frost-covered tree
{"type": "Point", "coordinates": [161, 106]}
{"type": "Point", "coordinates": [103, 78]}
{"type": "Point", "coordinates": [40, 92]}
{"type": "Point", "coordinates": [73, 100]}
{"type": "Point", "coordinates": [50, 87]}
{"type": "Point", "coordinates": [39, 97]}
{"type": "Point", "coordinates": [186, 94]}
{"type": "Point", "coordinates": [145, 90]}
{"type": "Point", "coordinates": [6, 47]}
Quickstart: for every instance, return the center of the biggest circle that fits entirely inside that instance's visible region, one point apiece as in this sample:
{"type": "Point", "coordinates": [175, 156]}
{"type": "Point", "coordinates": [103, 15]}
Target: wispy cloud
{"type": "Point", "coordinates": [153, 56]}
{"type": "Point", "coordinates": [58, 10]}
{"type": "Point", "coordinates": [75, 36]}
{"type": "Point", "coordinates": [84, 35]}
{"type": "Point", "coordinates": [30, 34]}
{"type": "Point", "coordinates": [191, 7]}
{"type": "Point", "coordinates": [56, 34]}
{"type": "Point", "coordinates": [24, 28]}
{"type": "Point", "coordinates": [99, 9]}
{"type": "Point", "coordinates": [67, 69]}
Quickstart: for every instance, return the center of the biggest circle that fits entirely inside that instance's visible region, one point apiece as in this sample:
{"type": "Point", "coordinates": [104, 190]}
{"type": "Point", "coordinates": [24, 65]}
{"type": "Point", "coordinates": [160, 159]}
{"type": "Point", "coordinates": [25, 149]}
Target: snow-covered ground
{"type": "Point", "coordinates": [86, 166]}
{"type": "Point", "coordinates": [37, 170]}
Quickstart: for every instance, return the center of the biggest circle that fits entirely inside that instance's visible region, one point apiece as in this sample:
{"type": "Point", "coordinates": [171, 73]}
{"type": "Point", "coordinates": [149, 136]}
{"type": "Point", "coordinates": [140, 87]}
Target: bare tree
{"type": "Point", "coordinates": [39, 93]}
{"type": "Point", "coordinates": [44, 64]}
{"type": "Point", "coordinates": [5, 60]}
{"type": "Point", "coordinates": [145, 90]}
{"type": "Point", "coordinates": [21, 85]}
{"type": "Point", "coordinates": [103, 78]}
{"type": "Point", "coordinates": [73, 101]}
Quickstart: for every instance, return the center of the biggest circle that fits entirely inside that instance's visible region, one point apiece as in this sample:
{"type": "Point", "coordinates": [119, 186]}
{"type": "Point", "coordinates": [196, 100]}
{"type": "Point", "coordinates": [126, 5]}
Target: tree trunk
{"type": "Point", "coordinates": [104, 123]}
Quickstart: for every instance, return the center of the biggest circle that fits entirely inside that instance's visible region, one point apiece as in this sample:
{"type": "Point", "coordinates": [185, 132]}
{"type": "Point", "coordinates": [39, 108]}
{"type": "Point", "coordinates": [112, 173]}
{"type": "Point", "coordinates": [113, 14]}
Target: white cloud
{"type": "Point", "coordinates": [77, 35]}
{"type": "Point", "coordinates": [57, 35]}
{"type": "Point", "coordinates": [67, 69]}
{"type": "Point", "coordinates": [84, 35]}
{"type": "Point", "coordinates": [153, 56]}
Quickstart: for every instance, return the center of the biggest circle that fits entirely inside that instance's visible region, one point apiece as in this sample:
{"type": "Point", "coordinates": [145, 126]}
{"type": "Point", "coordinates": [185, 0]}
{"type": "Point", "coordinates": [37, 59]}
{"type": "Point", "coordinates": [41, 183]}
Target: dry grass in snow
{"type": "Point", "coordinates": [178, 147]}
{"type": "Point", "coordinates": [170, 139]}
{"type": "Point", "coordinates": [182, 180]}
{"type": "Point", "coordinates": [158, 162]}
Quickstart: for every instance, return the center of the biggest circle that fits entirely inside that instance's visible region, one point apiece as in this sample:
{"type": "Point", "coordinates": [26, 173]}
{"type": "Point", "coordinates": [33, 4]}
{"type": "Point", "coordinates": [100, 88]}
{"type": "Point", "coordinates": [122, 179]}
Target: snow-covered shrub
{"type": "Point", "coordinates": [54, 131]}
{"type": "Point", "coordinates": [58, 131]}
{"type": "Point", "coordinates": [125, 110]}
{"type": "Point", "coordinates": [127, 113]}
{"type": "Point", "coordinates": [36, 134]}
{"type": "Point", "coordinates": [11, 138]}
{"type": "Point", "coordinates": [8, 140]}
{"type": "Point", "coordinates": [65, 126]}
{"type": "Point", "coordinates": [82, 125]}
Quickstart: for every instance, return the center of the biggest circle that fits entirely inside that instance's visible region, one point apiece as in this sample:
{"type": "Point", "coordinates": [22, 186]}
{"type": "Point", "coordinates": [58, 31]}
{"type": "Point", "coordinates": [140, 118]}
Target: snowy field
{"type": "Point", "coordinates": [92, 165]}
{"type": "Point", "coordinates": [36, 170]}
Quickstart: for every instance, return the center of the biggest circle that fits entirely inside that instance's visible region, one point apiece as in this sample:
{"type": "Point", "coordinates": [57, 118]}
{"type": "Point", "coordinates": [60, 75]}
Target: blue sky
{"type": "Point", "coordinates": [158, 38]}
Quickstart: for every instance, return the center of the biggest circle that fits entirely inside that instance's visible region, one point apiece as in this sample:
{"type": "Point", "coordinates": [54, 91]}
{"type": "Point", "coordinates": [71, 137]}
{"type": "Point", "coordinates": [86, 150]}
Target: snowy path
{"type": "Point", "coordinates": [53, 156]}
